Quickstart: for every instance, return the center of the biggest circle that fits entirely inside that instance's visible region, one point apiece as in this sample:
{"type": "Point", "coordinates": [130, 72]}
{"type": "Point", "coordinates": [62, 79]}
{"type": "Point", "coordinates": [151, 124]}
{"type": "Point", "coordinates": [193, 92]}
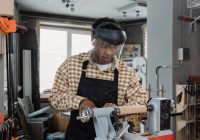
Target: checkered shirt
{"type": "Point", "coordinates": [64, 92]}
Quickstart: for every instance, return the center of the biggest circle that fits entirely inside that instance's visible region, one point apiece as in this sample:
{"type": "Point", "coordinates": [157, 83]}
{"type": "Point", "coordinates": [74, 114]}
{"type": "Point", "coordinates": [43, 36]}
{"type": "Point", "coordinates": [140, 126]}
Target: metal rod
{"type": "Point", "coordinates": [157, 75]}
{"type": "Point", "coordinates": [119, 136]}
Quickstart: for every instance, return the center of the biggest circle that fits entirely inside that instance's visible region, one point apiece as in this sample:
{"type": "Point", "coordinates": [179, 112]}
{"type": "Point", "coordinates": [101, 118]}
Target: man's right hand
{"type": "Point", "coordinates": [87, 103]}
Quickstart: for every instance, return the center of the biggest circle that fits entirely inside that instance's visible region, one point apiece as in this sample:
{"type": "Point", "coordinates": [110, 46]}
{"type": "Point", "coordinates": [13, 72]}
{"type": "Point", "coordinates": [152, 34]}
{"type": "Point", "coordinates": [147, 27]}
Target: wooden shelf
{"type": "Point", "coordinates": [188, 19]}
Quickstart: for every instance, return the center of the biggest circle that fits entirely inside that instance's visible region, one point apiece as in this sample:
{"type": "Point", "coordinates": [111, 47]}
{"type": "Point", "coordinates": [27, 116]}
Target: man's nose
{"type": "Point", "coordinates": [109, 51]}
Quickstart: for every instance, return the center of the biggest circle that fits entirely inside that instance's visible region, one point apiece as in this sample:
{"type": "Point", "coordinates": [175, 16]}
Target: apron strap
{"type": "Point", "coordinates": [84, 67]}
{"type": "Point", "coordinates": [116, 73]}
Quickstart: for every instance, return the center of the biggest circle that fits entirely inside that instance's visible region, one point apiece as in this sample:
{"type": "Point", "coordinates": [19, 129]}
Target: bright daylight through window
{"type": "Point", "coordinates": [56, 44]}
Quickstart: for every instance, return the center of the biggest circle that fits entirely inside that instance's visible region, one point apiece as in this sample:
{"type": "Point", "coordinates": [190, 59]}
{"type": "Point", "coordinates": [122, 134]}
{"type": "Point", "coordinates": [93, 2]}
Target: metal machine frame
{"type": "Point", "coordinates": [104, 128]}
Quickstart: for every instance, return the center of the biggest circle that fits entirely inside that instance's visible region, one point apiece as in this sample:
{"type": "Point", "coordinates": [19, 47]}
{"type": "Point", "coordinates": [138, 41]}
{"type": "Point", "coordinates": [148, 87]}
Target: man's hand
{"type": "Point", "coordinates": [87, 103]}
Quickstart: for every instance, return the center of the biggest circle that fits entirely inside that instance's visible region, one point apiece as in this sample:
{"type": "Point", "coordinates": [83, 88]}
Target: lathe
{"type": "Point", "coordinates": [158, 120]}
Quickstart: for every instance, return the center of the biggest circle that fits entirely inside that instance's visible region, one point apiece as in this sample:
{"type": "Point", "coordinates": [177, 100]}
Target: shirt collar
{"type": "Point", "coordinates": [89, 57]}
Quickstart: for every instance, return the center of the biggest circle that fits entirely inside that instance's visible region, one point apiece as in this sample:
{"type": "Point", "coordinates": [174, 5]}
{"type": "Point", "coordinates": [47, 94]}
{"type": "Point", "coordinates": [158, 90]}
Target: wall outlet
{"type": "Point", "coordinates": [183, 54]}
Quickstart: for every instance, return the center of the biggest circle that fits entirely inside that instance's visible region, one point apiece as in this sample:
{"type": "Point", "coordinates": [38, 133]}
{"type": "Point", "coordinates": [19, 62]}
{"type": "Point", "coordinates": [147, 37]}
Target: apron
{"type": "Point", "coordinates": [100, 92]}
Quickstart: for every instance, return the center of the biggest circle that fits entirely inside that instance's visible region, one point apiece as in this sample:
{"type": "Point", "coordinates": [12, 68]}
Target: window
{"type": "Point", "coordinates": [80, 43]}
{"type": "Point", "coordinates": [56, 44]}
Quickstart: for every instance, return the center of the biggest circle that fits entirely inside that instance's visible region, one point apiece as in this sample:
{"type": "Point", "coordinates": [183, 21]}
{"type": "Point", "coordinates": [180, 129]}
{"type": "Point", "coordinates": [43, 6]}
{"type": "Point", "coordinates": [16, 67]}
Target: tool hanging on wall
{"type": "Point", "coordinates": [188, 19]}
{"type": "Point", "coordinates": [194, 19]}
{"type": "Point", "coordinates": [6, 129]}
{"type": "Point", "coordinates": [193, 22]}
{"type": "Point", "coordinates": [8, 28]}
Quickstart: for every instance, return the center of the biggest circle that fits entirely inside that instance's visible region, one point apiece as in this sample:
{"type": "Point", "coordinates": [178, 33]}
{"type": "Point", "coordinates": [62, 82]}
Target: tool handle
{"type": "Point", "coordinates": [135, 109]}
{"type": "Point", "coordinates": [121, 133]}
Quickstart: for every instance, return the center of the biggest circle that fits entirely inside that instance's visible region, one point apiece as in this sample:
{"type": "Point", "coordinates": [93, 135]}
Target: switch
{"type": "Point", "coordinates": [183, 54]}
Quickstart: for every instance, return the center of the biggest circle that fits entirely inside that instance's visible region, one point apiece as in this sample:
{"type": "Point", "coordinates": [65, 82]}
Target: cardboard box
{"type": "Point", "coordinates": [1, 118]}
{"type": "Point", "coordinates": [7, 8]}
{"type": "Point", "coordinates": [59, 123]}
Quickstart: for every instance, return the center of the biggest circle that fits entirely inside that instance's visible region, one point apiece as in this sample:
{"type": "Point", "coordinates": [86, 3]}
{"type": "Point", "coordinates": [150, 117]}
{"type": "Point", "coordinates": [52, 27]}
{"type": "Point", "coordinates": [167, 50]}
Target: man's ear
{"type": "Point", "coordinates": [93, 37]}
{"type": "Point", "coordinates": [93, 40]}
{"type": "Point", "coordinates": [93, 32]}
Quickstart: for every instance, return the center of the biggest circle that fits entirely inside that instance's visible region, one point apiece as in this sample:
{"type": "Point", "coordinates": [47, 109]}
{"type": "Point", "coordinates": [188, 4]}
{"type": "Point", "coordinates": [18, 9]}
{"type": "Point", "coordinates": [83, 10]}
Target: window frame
{"type": "Point", "coordinates": [70, 30]}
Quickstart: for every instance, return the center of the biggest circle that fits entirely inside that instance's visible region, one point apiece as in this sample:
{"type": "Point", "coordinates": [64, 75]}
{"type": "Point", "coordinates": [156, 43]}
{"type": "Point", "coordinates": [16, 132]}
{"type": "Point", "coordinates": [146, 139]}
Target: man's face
{"type": "Point", "coordinates": [104, 52]}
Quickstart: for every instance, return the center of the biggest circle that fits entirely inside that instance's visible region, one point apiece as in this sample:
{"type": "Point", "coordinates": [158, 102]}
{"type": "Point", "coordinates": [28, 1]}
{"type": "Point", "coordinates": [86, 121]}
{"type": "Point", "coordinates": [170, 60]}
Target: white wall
{"type": "Point", "coordinates": [160, 44]}
{"type": "Point", "coordinates": [184, 38]}
{"type": "Point", "coordinates": [165, 35]}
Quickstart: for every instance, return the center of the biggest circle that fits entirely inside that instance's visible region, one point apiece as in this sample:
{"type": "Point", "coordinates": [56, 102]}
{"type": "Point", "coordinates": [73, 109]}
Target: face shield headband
{"type": "Point", "coordinates": [115, 37]}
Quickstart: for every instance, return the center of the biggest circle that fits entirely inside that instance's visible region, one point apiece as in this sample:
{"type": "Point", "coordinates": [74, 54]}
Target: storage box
{"type": "Point", "coordinates": [7, 8]}
{"type": "Point", "coordinates": [164, 137]}
{"type": "Point", "coordinates": [1, 118]}
{"type": "Point", "coordinates": [59, 123]}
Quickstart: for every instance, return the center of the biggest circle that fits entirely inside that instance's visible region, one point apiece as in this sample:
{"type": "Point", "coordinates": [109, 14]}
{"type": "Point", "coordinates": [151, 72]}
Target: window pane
{"type": "Point", "coordinates": [53, 51]}
{"type": "Point", "coordinates": [81, 43]}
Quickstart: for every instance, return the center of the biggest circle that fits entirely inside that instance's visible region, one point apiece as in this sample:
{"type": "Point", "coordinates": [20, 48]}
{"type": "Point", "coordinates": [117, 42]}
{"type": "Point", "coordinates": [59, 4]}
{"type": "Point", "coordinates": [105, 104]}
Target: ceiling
{"type": "Point", "coordinates": [121, 10]}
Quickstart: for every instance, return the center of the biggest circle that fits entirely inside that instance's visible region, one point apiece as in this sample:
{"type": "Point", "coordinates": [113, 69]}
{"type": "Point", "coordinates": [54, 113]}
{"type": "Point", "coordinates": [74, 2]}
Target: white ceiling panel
{"type": "Point", "coordinates": [122, 10]}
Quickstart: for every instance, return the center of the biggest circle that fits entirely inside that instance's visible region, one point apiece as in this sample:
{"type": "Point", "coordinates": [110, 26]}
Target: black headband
{"type": "Point", "coordinates": [115, 37]}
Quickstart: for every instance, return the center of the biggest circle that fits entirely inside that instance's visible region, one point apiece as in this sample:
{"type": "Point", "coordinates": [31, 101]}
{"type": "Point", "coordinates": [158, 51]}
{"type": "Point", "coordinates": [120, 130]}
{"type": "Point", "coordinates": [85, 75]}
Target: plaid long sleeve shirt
{"type": "Point", "coordinates": [64, 92]}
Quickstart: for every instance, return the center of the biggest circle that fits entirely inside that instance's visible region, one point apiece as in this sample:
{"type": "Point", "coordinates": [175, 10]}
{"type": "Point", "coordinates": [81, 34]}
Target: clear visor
{"type": "Point", "coordinates": [115, 49]}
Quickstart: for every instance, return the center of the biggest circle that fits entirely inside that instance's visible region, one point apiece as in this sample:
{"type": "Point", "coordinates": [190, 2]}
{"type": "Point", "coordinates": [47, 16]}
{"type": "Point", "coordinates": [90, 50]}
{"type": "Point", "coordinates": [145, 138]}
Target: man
{"type": "Point", "coordinates": [96, 79]}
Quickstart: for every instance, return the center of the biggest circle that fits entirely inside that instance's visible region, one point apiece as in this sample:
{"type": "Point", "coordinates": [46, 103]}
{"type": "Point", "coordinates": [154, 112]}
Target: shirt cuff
{"type": "Point", "coordinates": [78, 101]}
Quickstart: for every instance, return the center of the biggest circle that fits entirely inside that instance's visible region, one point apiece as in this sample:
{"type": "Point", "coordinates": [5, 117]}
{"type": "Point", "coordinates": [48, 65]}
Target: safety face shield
{"type": "Point", "coordinates": [110, 39]}
{"type": "Point", "coordinates": [106, 48]}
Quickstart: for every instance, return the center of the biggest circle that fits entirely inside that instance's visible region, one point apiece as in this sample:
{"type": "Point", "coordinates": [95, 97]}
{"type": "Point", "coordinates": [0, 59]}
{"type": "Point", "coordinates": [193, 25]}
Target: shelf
{"type": "Point", "coordinates": [188, 19]}
{"type": "Point", "coordinates": [192, 108]}
{"type": "Point", "coordinates": [194, 104]}
{"type": "Point", "coordinates": [192, 121]}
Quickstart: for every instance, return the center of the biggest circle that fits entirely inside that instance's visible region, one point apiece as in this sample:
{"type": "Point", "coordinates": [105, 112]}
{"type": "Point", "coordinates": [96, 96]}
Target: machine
{"type": "Point", "coordinates": [158, 119]}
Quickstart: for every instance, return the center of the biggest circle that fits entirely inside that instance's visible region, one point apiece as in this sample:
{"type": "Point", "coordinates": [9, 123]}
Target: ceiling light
{"type": "Point", "coordinates": [124, 14]}
{"type": "Point", "coordinates": [137, 13]}
{"type": "Point", "coordinates": [67, 5]}
{"type": "Point", "coordinates": [72, 8]}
